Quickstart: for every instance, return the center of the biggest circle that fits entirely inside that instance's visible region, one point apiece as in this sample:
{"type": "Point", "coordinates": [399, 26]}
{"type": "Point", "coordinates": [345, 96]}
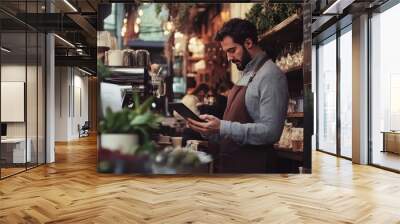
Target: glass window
{"type": "Point", "coordinates": [327, 95]}
{"type": "Point", "coordinates": [22, 90]}
{"type": "Point", "coordinates": [346, 92]}
{"type": "Point", "coordinates": [15, 148]}
{"type": "Point", "coordinates": [385, 88]}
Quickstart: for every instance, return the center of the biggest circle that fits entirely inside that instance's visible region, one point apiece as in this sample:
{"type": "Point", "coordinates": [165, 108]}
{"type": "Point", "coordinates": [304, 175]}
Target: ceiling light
{"type": "Point", "coordinates": [140, 12]}
{"type": "Point", "coordinates": [136, 28]}
{"type": "Point", "coordinates": [5, 50]}
{"type": "Point", "coordinates": [65, 41]}
{"type": "Point", "coordinates": [169, 26]}
{"type": "Point", "coordinates": [70, 5]}
{"type": "Point", "coordinates": [138, 20]}
{"type": "Point", "coordinates": [123, 30]}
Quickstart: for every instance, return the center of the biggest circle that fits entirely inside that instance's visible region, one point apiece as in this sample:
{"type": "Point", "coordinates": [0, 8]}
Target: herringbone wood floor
{"type": "Point", "coordinates": [70, 191]}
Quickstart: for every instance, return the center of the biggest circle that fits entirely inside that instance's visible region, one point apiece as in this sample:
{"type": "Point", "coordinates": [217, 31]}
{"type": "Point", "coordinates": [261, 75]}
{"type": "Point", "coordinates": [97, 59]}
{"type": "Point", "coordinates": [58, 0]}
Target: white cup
{"type": "Point", "coordinates": [115, 57]}
{"type": "Point", "coordinates": [193, 144]}
{"type": "Point", "coordinates": [176, 142]}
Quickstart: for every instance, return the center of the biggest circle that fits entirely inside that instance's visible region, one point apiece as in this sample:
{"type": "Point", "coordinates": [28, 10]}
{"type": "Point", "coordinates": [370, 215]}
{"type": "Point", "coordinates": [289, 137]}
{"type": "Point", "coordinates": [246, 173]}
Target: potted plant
{"type": "Point", "coordinates": [125, 142]}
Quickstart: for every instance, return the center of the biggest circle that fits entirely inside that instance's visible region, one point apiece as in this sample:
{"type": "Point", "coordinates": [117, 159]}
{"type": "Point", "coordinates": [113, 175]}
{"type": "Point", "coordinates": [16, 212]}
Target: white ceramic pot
{"type": "Point", "coordinates": [126, 143]}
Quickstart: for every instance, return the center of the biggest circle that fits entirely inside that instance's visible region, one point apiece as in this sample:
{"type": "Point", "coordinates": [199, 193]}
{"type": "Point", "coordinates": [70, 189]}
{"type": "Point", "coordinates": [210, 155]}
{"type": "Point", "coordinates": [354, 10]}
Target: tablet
{"type": "Point", "coordinates": [185, 112]}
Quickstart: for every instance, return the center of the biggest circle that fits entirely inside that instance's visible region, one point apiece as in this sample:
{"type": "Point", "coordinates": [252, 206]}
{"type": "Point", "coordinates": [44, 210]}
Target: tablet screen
{"type": "Point", "coordinates": [185, 112]}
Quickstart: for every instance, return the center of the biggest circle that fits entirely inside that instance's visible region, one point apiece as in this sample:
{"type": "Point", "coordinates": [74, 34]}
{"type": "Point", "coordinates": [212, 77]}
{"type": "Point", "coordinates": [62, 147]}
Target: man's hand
{"type": "Point", "coordinates": [211, 126]}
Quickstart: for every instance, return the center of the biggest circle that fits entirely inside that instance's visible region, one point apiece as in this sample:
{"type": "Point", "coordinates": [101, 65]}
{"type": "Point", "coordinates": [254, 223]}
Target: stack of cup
{"type": "Point", "coordinates": [129, 58]}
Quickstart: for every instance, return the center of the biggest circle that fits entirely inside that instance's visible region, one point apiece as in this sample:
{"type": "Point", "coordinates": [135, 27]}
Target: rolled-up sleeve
{"type": "Point", "coordinates": [267, 127]}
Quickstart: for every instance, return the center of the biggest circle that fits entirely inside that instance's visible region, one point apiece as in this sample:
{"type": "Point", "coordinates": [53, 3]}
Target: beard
{"type": "Point", "coordinates": [246, 58]}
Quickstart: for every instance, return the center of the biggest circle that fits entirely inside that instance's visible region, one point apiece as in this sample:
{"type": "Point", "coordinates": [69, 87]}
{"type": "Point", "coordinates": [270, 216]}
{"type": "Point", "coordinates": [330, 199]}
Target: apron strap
{"type": "Point", "coordinates": [264, 59]}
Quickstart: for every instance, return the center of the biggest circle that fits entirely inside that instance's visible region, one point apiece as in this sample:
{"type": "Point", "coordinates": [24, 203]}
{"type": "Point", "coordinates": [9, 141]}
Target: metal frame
{"type": "Point", "coordinates": [44, 74]}
{"type": "Point", "coordinates": [338, 98]}
{"type": "Point", "coordinates": [316, 97]}
{"type": "Point", "coordinates": [369, 78]}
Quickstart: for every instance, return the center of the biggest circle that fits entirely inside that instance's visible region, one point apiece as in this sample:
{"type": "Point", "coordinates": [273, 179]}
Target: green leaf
{"type": "Point", "coordinates": [136, 100]}
{"type": "Point", "coordinates": [145, 106]}
{"type": "Point", "coordinates": [141, 119]}
{"type": "Point", "coordinates": [102, 70]}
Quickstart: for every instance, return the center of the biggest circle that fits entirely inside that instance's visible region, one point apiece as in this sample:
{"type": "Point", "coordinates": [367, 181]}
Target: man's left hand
{"type": "Point", "coordinates": [211, 126]}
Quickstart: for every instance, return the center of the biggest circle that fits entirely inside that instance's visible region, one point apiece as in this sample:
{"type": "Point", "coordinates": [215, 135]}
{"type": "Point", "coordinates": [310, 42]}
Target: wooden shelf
{"type": "Point", "coordinates": [122, 75]}
{"type": "Point", "coordinates": [291, 29]}
{"type": "Point", "coordinates": [195, 59]}
{"type": "Point", "coordinates": [288, 31]}
{"type": "Point", "coordinates": [295, 69]}
{"type": "Point", "coordinates": [288, 154]}
{"type": "Point", "coordinates": [295, 115]}
{"type": "Point", "coordinates": [199, 71]}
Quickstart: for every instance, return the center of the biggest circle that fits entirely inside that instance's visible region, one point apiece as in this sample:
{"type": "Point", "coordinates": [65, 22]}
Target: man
{"type": "Point", "coordinates": [257, 105]}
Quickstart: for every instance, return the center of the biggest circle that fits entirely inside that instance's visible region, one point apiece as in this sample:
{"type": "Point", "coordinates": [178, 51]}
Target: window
{"type": "Point", "coordinates": [22, 96]}
{"type": "Point", "coordinates": [385, 87]}
{"type": "Point", "coordinates": [346, 72]}
{"type": "Point", "coordinates": [327, 95]}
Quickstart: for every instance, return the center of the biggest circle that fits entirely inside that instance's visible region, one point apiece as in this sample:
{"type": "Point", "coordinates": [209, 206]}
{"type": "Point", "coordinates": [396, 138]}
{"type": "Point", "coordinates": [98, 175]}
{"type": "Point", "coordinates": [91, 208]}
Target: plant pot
{"type": "Point", "coordinates": [124, 143]}
{"type": "Point", "coordinates": [117, 155]}
{"type": "Point", "coordinates": [115, 162]}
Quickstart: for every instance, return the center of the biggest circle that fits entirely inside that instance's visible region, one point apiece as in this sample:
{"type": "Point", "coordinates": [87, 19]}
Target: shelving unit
{"type": "Point", "coordinates": [289, 154]}
{"type": "Point", "coordinates": [196, 59]}
{"type": "Point", "coordinates": [295, 115]}
{"type": "Point", "coordinates": [134, 80]}
{"type": "Point", "coordinates": [294, 70]}
{"type": "Point", "coordinates": [216, 67]}
{"type": "Point", "coordinates": [289, 31]}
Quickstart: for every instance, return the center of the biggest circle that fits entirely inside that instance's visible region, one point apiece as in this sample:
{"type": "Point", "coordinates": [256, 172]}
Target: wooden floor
{"type": "Point", "coordinates": [5, 172]}
{"type": "Point", "coordinates": [70, 191]}
{"type": "Point", "coordinates": [387, 159]}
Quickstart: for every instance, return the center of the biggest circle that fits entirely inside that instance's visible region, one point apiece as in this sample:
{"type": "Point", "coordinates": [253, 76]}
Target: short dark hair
{"type": "Point", "coordinates": [202, 87]}
{"type": "Point", "coordinates": [239, 30]}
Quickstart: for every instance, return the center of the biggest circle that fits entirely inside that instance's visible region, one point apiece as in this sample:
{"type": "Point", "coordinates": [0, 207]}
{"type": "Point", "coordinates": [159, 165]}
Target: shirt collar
{"type": "Point", "coordinates": [252, 65]}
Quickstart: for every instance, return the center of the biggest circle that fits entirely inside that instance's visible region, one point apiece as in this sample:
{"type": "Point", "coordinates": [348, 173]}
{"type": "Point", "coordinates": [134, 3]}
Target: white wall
{"type": "Point", "coordinates": [71, 94]}
{"type": "Point", "coordinates": [50, 95]}
{"type": "Point", "coordinates": [33, 126]}
{"type": "Point", "coordinates": [61, 103]}
{"type": "Point", "coordinates": [16, 73]}
{"type": "Point", "coordinates": [360, 90]}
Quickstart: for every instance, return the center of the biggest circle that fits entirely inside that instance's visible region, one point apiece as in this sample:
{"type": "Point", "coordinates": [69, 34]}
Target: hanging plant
{"type": "Point", "coordinates": [267, 15]}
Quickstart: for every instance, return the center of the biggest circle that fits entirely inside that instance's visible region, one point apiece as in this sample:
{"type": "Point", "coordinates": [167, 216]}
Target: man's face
{"type": "Point", "coordinates": [236, 53]}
